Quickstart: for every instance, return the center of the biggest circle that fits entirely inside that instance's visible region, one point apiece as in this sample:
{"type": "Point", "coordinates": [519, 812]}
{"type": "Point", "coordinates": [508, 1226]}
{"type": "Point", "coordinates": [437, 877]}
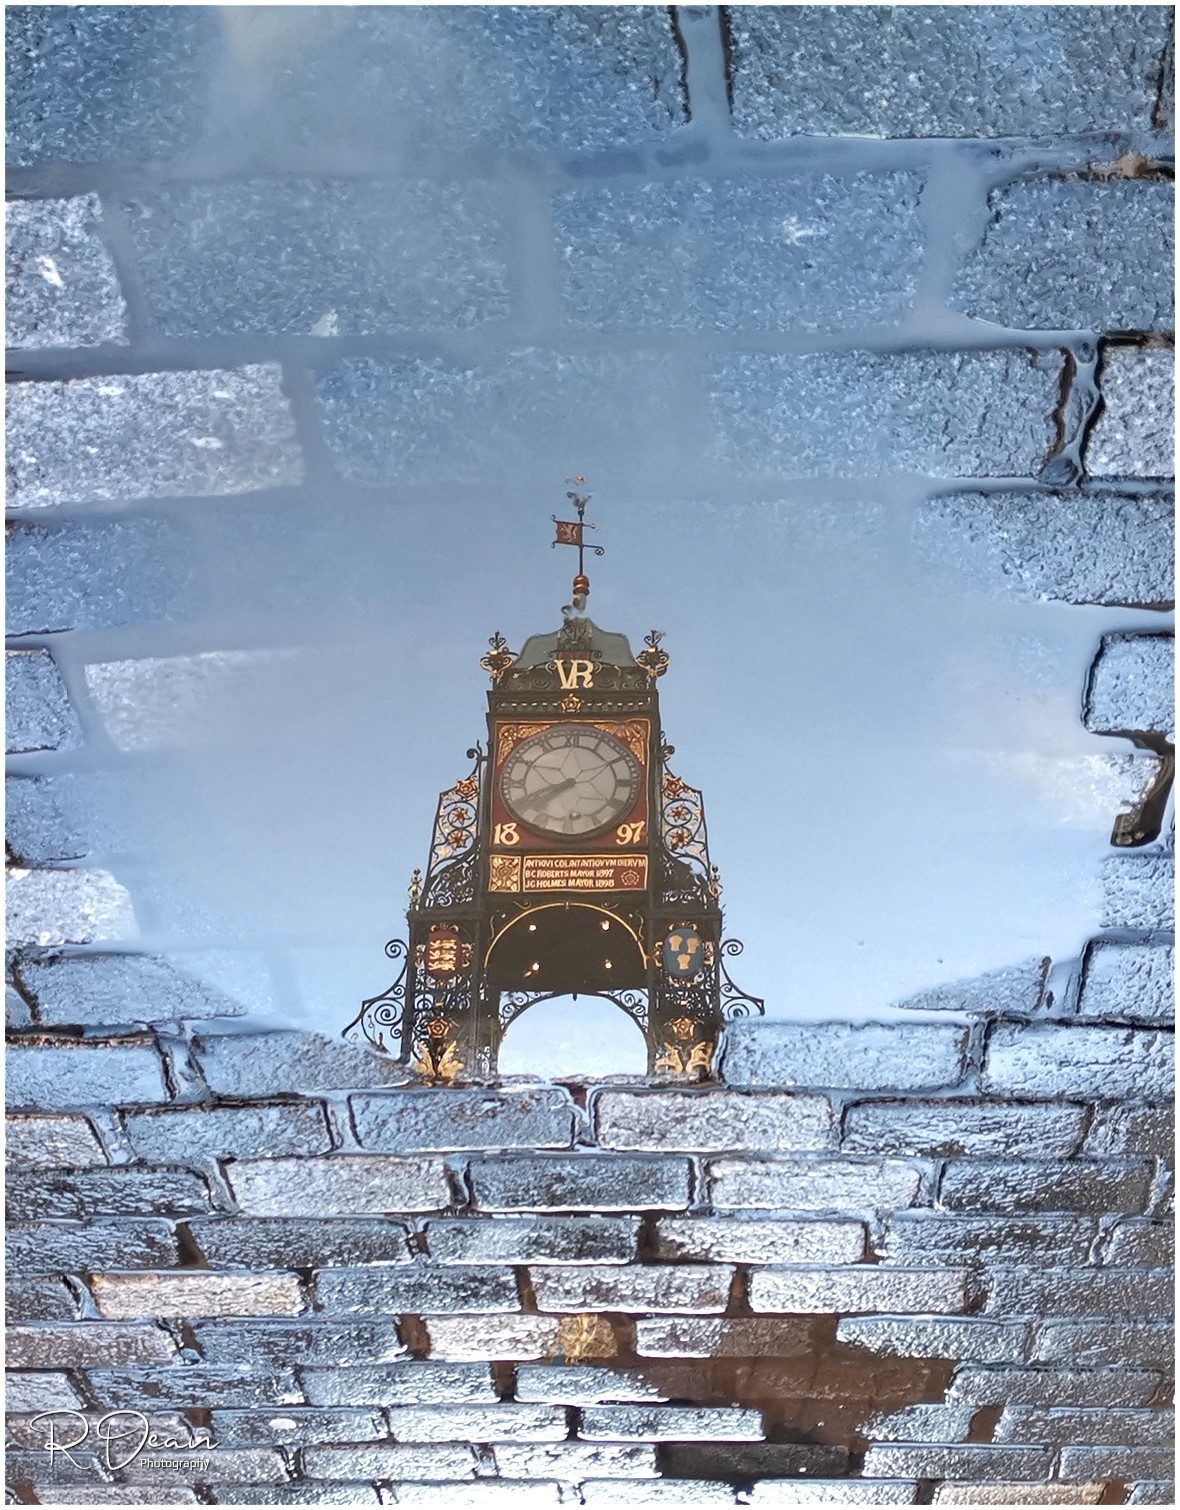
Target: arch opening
{"type": "Point", "coordinates": [563, 1037]}
{"type": "Point", "coordinates": [574, 949]}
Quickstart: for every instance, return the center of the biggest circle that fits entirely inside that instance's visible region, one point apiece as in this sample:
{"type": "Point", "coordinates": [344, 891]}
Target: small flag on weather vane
{"type": "Point", "coordinates": [568, 533]}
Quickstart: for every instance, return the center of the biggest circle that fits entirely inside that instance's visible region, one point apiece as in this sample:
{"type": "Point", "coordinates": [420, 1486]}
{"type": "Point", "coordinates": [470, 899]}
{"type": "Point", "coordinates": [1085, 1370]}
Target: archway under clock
{"type": "Point", "coordinates": [587, 1037]}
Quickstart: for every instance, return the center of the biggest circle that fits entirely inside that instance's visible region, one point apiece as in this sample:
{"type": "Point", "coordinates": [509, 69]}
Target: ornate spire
{"type": "Point", "coordinates": [570, 532]}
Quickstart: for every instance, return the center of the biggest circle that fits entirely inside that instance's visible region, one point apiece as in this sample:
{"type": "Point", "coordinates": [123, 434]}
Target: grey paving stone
{"type": "Point", "coordinates": [943, 70]}
{"type": "Point", "coordinates": [590, 1182]}
{"type": "Point", "coordinates": [119, 990]}
{"type": "Point", "coordinates": [153, 434]}
{"type": "Point", "coordinates": [444, 1118]}
{"type": "Point", "coordinates": [1133, 434]}
{"type": "Point", "coordinates": [1128, 982]}
{"type": "Point", "coordinates": [83, 1469]}
{"type": "Point", "coordinates": [432, 1464]}
{"type": "Point", "coordinates": [301, 1427]}
{"type": "Point", "coordinates": [1131, 685]}
{"type": "Point", "coordinates": [377, 1290]}
{"type": "Point", "coordinates": [533, 1240]}
{"type": "Point", "coordinates": [417, 419]}
{"type": "Point", "coordinates": [1059, 254]}
{"type": "Point", "coordinates": [53, 1077]}
{"type": "Point", "coordinates": [711, 1120]}
{"type": "Point", "coordinates": [968, 1340]}
{"type": "Point", "coordinates": [919, 1423]}
{"type": "Point", "coordinates": [1141, 1242]}
{"type": "Point", "coordinates": [1077, 548]}
{"type": "Point", "coordinates": [974, 1462]}
{"type": "Point", "coordinates": [1151, 1492]}
{"type": "Point", "coordinates": [872, 1288]}
{"type": "Point", "coordinates": [504, 1337]}
{"type": "Point", "coordinates": [570, 1462]}
{"type": "Point", "coordinates": [116, 84]}
{"type": "Point", "coordinates": [192, 1385]}
{"type": "Point", "coordinates": [95, 575]}
{"type": "Point", "coordinates": [119, 1191]}
{"type": "Point", "coordinates": [289, 1063]}
{"type": "Point", "coordinates": [585, 1384]}
{"type": "Point", "coordinates": [108, 1494]}
{"type": "Point", "coordinates": [754, 1241]}
{"type": "Point", "coordinates": [412, 1383]}
{"type": "Point", "coordinates": [51, 1142]}
{"type": "Point", "coordinates": [69, 815]}
{"type": "Point", "coordinates": [49, 908]}
{"type": "Point", "coordinates": [322, 256]}
{"type": "Point", "coordinates": [1014, 988]}
{"type": "Point", "coordinates": [37, 710]}
{"type": "Point", "coordinates": [37, 1299]}
{"type": "Point", "coordinates": [61, 288]}
{"type": "Point", "coordinates": [921, 1238]}
{"type": "Point", "coordinates": [50, 1248]}
{"type": "Point", "coordinates": [790, 252]}
{"type": "Point", "coordinates": [299, 1243]}
{"type": "Point", "coordinates": [1131, 1129]}
{"type": "Point", "coordinates": [1061, 1428]}
{"type": "Point", "coordinates": [1097, 1344]}
{"type": "Point", "coordinates": [90, 1344]}
{"type": "Point", "coordinates": [1093, 1186]}
{"type": "Point", "coordinates": [340, 1185]}
{"type": "Point", "coordinates": [228, 1132]}
{"type": "Point", "coordinates": [669, 1423]}
{"type": "Point", "coordinates": [298, 1494]}
{"type": "Point", "coordinates": [1079, 1292]}
{"type": "Point", "coordinates": [634, 1287]}
{"type": "Point", "coordinates": [962, 1127]}
{"type": "Point", "coordinates": [832, 1492]}
{"type": "Point", "coordinates": [1052, 1061]}
{"type": "Point", "coordinates": [1082, 1464]}
{"type": "Point", "coordinates": [233, 1465]}
{"type": "Point", "coordinates": [841, 1055]}
{"type": "Point", "coordinates": [504, 1422]}
{"type": "Point", "coordinates": [317, 1343]}
{"type": "Point", "coordinates": [123, 1296]}
{"type": "Point", "coordinates": [708, 1460]}
{"type": "Point", "coordinates": [971, 1492]}
{"type": "Point", "coordinates": [801, 1185]}
{"type": "Point", "coordinates": [1044, 1387]}
{"type": "Point", "coordinates": [859, 414]}
{"type": "Point", "coordinates": [1137, 890]}
{"type": "Point", "coordinates": [40, 1391]}
{"type": "Point", "coordinates": [717, 1337]}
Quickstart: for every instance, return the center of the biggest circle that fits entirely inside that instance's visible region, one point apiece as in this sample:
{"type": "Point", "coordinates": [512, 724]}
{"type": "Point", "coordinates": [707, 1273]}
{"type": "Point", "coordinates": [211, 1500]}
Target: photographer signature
{"type": "Point", "coordinates": [120, 1435]}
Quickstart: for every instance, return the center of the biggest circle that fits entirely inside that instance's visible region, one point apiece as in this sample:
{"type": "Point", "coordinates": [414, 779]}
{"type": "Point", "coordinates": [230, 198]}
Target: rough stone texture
{"type": "Point", "coordinates": [1011, 989]}
{"type": "Point", "coordinates": [119, 1191]}
{"type": "Point", "coordinates": [981, 1462]}
{"type": "Point", "coordinates": [435, 1464]}
{"type": "Point", "coordinates": [921, 1238]}
{"type": "Point", "coordinates": [389, 1291]}
{"type": "Point", "coordinates": [1131, 1129]}
{"type": "Point", "coordinates": [1059, 254]}
{"type": "Point", "coordinates": [343, 1185]}
{"type": "Point", "coordinates": [584, 1385]}
{"type": "Point", "coordinates": [61, 288]}
{"type": "Point", "coordinates": [864, 1288]}
{"type": "Point", "coordinates": [289, 1063]}
{"type": "Point", "coordinates": [586, 1183]}
{"type": "Point", "coordinates": [920, 1423]}
{"type": "Point", "coordinates": [296, 1428]}
{"type": "Point", "coordinates": [1060, 1428]}
{"type": "Point", "coordinates": [193, 1385]}
{"type": "Point", "coordinates": [1131, 685]}
{"type": "Point", "coordinates": [943, 71]}
{"type": "Point", "coordinates": [858, 414]}
{"type": "Point", "coordinates": [1105, 1292]}
{"type": "Point", "coordinates": [779, 253]}
{"type": "Point", "coordinates": [495, 1336]}
{"type": "Point", "coordinates": [572, 1461]}
{"type": "Point", "coordinates": [1083, 548]}
{"type": "Point", "coordinates": [319, 257]}
{"type": "Point", "coordinates": [1139, 1242]}
{"type": "Point", "coordinates": [237, 1132]}
{"type": "Point", "coordinates": [1098, 1344]}
{"type": "Point", "coordinates": [1048, 1061]}
{"type": "Point", "coordinates": [401, 1384]}
{"type": "Point", "coordinates": [1018, 1494]}
{"type": "Point", "coordinates": [40, 1391]}
{"type": "Point", "coordinates": [38, 1300]}
{"type": "Point", "coordinates": [533, 1240]}
{"type": "Point", "coordinates": [752, 1241]}
{"type": "Point", "coordinates": [711, 1120]}
{"type": "Point", "coordinates": [1128, 983]}
{"type": "Point", "coordinates": [646, 1287]}
{"type": "Point", "coordinates": [1133, 434]}
{"type": "Point", "coordinates": [297, 1243]}
{"type": "Point", "coordinates": [316, 1343]}
{"type": "Point", "coordinates": [712, 1337]}
{"type": "Point", "coordinates": [155, 434]}
{"type": "Point", "coordinates": [1112, 1387]}
{"type": "Point", "coordinates": [116, 989]}
{"type": "Point", "coordinates": [53, 1077]}
{"type": "Point", "coordinates": [49, 1248]}
{"type": "Point", "coordinates": [875, 1056]}
{"type": "Point", "coordinates": [49, 908]}
{"type": "Point", "coordinates": [121, 1296]}
{"type": "Point", "coordinates": [971, 1340]}
{"type": "Point", "coordinates": [87, 1344]}
{"type": "Point", "coordinates": [37, 710]}
{"type": "Point", "coordinates": [793, 1185]}
{"type": "Point", "coordinates": [962, 1127]}
{"type": "Point", "coordinates": [1137, 890]}
{"type": "Point", "coordinates": [1087, 1185]}
{"type": "Point", "coordinates": [668, 1423]}
{"type": "Point", "coordinates": [477, 1423]}
{"type": "Point", "coordinates": [417, 1121]}
{"type": "Point", "coordinates": [48, 1142]}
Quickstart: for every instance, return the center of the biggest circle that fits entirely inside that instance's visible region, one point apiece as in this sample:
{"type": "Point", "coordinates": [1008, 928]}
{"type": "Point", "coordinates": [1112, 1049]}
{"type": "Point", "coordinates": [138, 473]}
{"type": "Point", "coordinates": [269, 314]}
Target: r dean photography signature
{"type": "Point", "coordinates": [120, 1437]}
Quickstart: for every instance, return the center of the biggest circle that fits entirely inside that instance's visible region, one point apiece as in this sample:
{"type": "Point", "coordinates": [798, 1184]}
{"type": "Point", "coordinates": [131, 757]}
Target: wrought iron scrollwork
{"type": "Point", "coordinates": [456, 821]}
{"type": "Point", "coordinates": [381, 1018]}
{"type": "Point", "coordinates": [734, 1001]}
{"type": "Point", "coordinates": [454, 885]}
{"type": "Point", "coordinates": [514, 1003]}
{"type": "Point", "coordinates": [682, 819]}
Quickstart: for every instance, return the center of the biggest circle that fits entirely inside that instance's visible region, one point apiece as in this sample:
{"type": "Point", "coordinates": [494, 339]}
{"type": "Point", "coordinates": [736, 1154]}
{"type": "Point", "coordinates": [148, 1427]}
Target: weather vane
{"type": "Point", "coordinates": [573, 532]}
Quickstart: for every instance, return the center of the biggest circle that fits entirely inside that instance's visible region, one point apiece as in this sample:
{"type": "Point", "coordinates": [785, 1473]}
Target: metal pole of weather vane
{"type": "Point", "coordinates": [570, 532]}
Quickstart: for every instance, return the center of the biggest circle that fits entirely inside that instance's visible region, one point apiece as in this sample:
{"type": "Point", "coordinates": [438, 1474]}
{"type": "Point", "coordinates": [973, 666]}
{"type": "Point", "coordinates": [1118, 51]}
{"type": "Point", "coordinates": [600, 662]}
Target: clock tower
{"type": "Point", "coordinates": [570, 861]}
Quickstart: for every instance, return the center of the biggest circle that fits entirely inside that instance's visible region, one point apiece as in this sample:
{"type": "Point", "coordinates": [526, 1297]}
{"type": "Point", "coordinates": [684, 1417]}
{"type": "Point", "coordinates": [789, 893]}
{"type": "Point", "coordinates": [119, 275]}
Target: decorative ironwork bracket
{"type": "Point", "coordinates": [381, 1018]}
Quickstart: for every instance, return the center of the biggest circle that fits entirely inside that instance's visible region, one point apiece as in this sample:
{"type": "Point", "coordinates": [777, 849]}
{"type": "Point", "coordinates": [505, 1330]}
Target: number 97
{"type": "Point", "coordinates": [629, 833]}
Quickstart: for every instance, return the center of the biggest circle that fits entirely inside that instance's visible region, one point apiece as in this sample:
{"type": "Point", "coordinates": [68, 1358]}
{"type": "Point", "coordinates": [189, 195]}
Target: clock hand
{"type": "Point", "coordinates": [539, 799]}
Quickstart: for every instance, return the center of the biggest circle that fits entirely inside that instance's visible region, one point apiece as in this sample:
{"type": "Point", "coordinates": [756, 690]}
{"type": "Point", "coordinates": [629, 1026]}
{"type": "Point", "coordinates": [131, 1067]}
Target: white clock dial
{"type": "Point", "coordinates": [574, 780]}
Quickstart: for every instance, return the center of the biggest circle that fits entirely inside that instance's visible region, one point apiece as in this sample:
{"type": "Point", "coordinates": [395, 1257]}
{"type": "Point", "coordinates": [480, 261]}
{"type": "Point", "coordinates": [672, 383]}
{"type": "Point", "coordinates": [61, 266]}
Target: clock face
{"type": "Point", "coordinates": [573, 780]}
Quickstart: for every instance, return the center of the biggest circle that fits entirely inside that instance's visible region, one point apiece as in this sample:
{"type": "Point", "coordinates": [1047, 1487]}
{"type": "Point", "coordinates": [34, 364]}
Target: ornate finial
{"type": "Point", "coordinates": [654, 660]}
{"type": "Point", "coordinates": [414, 890]}
{"type": "Point", "coordinates": [570, 532]}
{"type": "Point", "coordinates": [499, 657]}
{"type": "Point", "coordinates": [715, 886]}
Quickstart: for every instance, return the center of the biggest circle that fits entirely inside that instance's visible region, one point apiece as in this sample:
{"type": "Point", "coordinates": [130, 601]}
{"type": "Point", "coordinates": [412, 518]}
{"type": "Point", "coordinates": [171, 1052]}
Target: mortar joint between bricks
{"type": "Point", "coordinates": [341, 1130]}
{"type": "Point", "coordinates": [458, 1177]}
{"type": "Point", "coordinates": [524, 1286]}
